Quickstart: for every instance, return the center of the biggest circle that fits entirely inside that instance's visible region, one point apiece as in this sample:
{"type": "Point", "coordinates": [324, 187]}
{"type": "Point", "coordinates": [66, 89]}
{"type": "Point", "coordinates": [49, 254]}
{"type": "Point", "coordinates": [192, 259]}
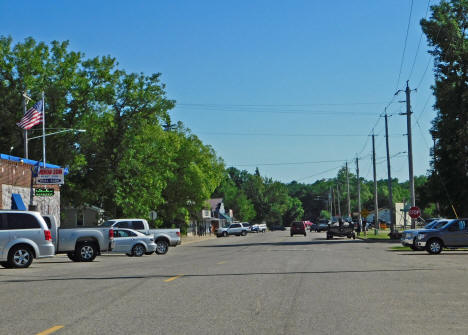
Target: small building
{"type": "Point", "coordinates": [85, 216]}
{"type": "Point", "coordinates": [19, 191]}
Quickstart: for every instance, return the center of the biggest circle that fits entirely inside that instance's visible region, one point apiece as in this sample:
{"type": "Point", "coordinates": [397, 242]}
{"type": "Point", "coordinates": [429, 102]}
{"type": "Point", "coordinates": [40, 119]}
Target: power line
{"type": "Point", "coordinates": [284, 135]}
{"type": "Point", "coordinates": [319, 173]}
{"type": "Point", "coordinates": [419, 42]}
{"type": "Point", "coordinates": [404, 45]}
{"type": "Point", "coordinates": [280, 105]}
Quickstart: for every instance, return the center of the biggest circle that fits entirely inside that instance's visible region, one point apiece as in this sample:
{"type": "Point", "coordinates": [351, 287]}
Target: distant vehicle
{"type": "Point", "coordinates": [163, 237]}
{"type": "Point", "coordinates": [277, 227]}
{"type": "Point", "coordinates": [24, 235]}
{"type": "Point", "coordinates": [453, 234]}
{"type": "Point", "coordinates": [233, 229]}
{"type": "Point", "coordinates": [247, 225]}
{"type": "Point", "coordinates": [298, 227]}
{"type": "Point", "coordinates": [255, 228]}
{"type": "Point", "coordinates": [133, 243]}
{"type": "Point", "coordinates": [322, 225]}
{"type": "Point", "coordinates": [80, 244]}
{"type": "Point", "coordinates": [408, 237]}
{"type": "Point", "coordinates": [262, 227]}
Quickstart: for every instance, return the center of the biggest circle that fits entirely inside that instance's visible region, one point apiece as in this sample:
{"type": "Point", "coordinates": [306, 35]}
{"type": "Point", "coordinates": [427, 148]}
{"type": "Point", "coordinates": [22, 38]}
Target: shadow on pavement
{"type": "Point", "coordinates": [287, 243]}
{"type": "Point", "coordinates": [213, 275]}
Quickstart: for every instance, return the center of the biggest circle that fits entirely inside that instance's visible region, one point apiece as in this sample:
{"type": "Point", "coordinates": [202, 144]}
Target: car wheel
{"type": "Point", "coordinates": [20, 257]}
{"type": "Point", "coordinates": [292, 235]}
{"type": "Point", "coordinates": [86, 252]}
{"type": "Point", "coordinates": [225, 234]}
{"type": "Point", "coordinates": [149, 253]}
{"type": "Point", "coordinates": [305, 234]}
{"type": "Point", "coordinates": [72, 256]}
{"type": "Point", "coordinates": [413, 247]}
{"type": "Point", "coordinates": [162, 246]}
{"type": "Point", "coordinates": [434, 246]}
{"type": "Point", "coordinates": [129, 254]}
{"type": "Point", "coordinates": [244, 233]}
{"type": "Point", "coordinates": [138, 250]}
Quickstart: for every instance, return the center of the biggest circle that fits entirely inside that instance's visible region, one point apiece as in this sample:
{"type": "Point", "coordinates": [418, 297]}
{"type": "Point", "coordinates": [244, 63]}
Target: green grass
{"type": "Point", "coordinates": [381, 235]}
{"type": "Point", "coordinates": [401, 248]}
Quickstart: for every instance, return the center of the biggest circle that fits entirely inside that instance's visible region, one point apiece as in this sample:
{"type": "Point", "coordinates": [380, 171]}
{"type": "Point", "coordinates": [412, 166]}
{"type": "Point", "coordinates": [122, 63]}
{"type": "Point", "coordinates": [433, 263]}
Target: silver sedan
{"type": "Point", "coordinates": [133, 243]}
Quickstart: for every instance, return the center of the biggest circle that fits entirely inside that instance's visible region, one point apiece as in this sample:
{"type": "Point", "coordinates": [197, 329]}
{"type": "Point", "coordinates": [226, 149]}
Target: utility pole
{"type": "Point", "coordinates": [389, 177]}
{"type": "Point", "coordinates": [376, 202]}
{"type": "Point", "coordinates": [347, 182]}
{"type": "Point", "coordinates": [330, 199]}
{"type": "Point", "coordinates": [410, 147]}
{"type": "Point", "coordinates": [338, 199]}
{"type": "Point", "coordinates": [358, 191]}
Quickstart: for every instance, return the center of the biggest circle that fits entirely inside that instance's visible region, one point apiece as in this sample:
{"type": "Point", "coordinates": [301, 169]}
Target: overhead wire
{"type": "Point", "coordinates": [419, 42]}
{"type": "Point", "coordinates": [404, 46]}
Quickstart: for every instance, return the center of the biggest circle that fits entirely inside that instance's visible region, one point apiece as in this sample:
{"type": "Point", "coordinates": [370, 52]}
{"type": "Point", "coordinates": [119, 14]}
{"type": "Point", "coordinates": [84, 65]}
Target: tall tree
{"type": "Point", "coordinates": [447, 36]}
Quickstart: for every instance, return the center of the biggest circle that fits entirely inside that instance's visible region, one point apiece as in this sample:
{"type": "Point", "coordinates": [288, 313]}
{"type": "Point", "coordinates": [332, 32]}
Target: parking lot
{"type": "Point", "coordinates": [258, 284]}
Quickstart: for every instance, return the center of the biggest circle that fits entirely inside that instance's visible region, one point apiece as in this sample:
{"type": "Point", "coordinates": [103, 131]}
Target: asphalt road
{"type": "Point", "coordinates": [259, 284]}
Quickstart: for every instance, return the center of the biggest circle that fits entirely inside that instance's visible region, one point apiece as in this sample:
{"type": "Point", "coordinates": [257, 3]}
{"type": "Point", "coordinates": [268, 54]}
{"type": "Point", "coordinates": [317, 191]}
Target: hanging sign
{"type": "Point", "coordinates": [50, 176]}
{"type": "Point", "coordinates": [44, 192]}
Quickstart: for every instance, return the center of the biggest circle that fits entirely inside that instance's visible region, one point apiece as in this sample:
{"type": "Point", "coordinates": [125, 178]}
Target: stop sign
{"type": "Point", "coordinates": [414, 212]}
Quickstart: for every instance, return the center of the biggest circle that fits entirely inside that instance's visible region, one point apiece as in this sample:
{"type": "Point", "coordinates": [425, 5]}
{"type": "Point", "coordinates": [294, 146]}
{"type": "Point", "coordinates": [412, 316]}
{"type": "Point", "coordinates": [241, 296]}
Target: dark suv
{"type": "Point", "coordinates": [298, 227]}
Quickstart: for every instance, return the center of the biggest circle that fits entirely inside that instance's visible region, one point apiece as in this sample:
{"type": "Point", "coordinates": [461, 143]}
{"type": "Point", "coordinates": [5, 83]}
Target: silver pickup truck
{"type": "Point", "coordinates": [80, 244]}
{"type": "Point", "coordinates": [162, 237]}
{"type": "Point", "coordinates": [453, 234]}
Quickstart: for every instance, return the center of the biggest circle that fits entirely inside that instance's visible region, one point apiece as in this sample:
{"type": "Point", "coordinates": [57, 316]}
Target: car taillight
{"type": "Point", "coordinates": [47, 235]}
{"type": "Point", "coordinates": [111, 234]}
{"type": "Point", "coordinates": [178, 233]}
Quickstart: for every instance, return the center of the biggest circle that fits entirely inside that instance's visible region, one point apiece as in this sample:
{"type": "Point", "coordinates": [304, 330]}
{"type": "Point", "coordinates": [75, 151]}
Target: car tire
{"type": "Point", "coordinates": [162, 246]}
{"type": "Point", "coordinates": [225, 234]}
{"type": "Point", "coordinates": [129, 254]}
{"type": "Point", "coordinates": [138, 250]}
{"type": "Point", "coordinates": [86, 251]}
{"type": "Point", "coordinates": [305, 234]}
{"type": "Point", "coordinates": [434, 246]}
{"type": "Point", "coordinates": [149, 253]}
{"type": "Point", "coordinates": [413, 247]}
{"type": "Point", "coordinates": [72, 256]}
{"type": "Point", "coordinates": [292, 235]}
{"type": "Point", "coordinates": [244, 233]}
{"type": "Point", "coordinates": [20, 257]}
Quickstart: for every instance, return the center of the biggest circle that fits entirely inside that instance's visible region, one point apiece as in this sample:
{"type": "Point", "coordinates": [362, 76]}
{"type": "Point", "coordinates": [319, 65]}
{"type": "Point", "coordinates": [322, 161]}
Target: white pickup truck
{"type": "Point", "coordinates": [80, 244]}
{"type": "Point", "coordinates": [162, 237]}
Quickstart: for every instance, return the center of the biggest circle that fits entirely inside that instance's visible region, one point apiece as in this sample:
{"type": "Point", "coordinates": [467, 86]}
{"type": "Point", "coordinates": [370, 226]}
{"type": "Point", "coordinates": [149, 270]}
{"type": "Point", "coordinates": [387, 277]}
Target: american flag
{"type": "Point", "coordinates": [32, 117]}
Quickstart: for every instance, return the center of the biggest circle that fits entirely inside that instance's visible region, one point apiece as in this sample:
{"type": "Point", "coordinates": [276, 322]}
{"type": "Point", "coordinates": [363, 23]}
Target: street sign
{"type": "Point", "coordinates": [44, 192]}
{"type": "Point", "coordinates": [50, 176]}
{"type": "Point", "coordinates": [414, 212]}
{"type": "Point", "coordinates": [365, 212]}
{"type": "Point", "coordinates": [153, 215]}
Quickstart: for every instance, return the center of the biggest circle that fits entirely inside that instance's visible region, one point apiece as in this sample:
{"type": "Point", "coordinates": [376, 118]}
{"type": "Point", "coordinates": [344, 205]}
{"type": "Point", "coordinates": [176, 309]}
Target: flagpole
{"type": "Point", "coordinates": [43, 130]}
{"type": "Point", "coordinates": [25, 102]}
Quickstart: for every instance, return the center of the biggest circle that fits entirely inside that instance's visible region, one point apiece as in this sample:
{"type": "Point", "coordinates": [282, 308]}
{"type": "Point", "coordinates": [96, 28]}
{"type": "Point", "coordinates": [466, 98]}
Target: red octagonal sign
{"type": "Point", "coordinates": [414, 212]}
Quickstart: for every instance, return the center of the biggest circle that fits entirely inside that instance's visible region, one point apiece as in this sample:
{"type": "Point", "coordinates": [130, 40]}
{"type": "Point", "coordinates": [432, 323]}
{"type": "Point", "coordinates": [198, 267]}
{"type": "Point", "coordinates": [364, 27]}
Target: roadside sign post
{"type": "Point", "coordinates": [153, 216]}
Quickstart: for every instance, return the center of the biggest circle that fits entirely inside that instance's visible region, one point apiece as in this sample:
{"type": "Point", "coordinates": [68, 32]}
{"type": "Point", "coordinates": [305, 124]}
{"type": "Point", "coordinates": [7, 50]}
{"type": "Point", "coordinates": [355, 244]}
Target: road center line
{"type": "Point", "coordinates": [173, 278]}
{"type": "Point", "coordinates": [50, 330]}
{"type": "Point", "coordinates": [222, 262]}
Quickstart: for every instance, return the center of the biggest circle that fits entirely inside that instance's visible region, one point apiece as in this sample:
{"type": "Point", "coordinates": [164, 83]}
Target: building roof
{"type": "Point", "coordinates": [214, 203]}
{"type": "Point", "coordinates": [29, 161]}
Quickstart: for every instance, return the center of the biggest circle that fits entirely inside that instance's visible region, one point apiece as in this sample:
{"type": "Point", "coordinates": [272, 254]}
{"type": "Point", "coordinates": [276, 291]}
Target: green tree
{"type": "Point", "coordinates": [447, 36]}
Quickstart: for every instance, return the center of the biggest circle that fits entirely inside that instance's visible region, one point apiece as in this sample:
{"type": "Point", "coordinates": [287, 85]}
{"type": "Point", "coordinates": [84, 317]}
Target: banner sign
{"type": "Point", "coordinates": [44, 192]}
{"type": "Point", "coordinates": [50, 176]}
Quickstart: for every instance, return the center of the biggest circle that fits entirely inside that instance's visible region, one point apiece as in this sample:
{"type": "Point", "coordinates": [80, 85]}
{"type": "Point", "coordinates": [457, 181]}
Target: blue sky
{"type": "Point", "coordinates": [264, 83]}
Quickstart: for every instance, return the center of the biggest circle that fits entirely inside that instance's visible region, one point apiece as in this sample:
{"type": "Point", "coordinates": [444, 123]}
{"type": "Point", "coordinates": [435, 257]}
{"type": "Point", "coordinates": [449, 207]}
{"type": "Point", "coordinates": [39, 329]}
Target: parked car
{"type": "Point", "coordinates": [24, 235]}
{"type": "Point", "coordinates": [262, 227]}
{"type": "Point", "coordinates": [453, 234]}
{"type": "Point", "coordinates": [133, 243]}
{"type": "Point", "coordinates": [248, 226]}
{"type": "Point", "coordinates": [163, 237]}
{"type": "Point", "coordinates": [277, 227]}
{"type": "Point", "coordinates": [255, 228]}
{"type": "Point", "coordinates": [80, 244]}
{"type": "Point", "coordinates": [322, 225]}
{"type": "Point", "coordinates": [408, 237]}
{"type": "Point", "coordinates": [298, 227]}
{"type": "Point", "coordinates": [233, 229]}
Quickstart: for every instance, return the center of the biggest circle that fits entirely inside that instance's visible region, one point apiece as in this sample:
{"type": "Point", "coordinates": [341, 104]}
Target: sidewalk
{"type": "Point", "coordinates": [196, 238]}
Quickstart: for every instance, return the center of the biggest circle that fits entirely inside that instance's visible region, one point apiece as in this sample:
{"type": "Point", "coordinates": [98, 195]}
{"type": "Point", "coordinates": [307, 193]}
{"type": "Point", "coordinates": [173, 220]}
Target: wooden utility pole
{"type": "Point", "coordinates": [389, 177]}
{"type": "Point", "coordinates": [358, 190]}
{"type": "Point", "coordinates": [349, 200]}
{"type": "Point", "coordinates": [376, 202]}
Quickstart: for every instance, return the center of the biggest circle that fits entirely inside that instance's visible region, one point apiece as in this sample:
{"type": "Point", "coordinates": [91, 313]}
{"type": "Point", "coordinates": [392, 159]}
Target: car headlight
{"type": "Point", "coordinates": [421, 236]}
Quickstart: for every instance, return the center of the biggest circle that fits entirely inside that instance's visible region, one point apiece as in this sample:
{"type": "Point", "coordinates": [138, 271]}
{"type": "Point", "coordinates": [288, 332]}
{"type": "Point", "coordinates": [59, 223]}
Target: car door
{"type": "Point", "coordinates": [463, 235]}
{"type": "Point", "coordinates": [235, 229]}
{"type": "Point", "coordinates": [453, 235]}
{"type": "Point", "coordinates": [122, 241]}
{"type": "Point", "coordinates": [4, 235]}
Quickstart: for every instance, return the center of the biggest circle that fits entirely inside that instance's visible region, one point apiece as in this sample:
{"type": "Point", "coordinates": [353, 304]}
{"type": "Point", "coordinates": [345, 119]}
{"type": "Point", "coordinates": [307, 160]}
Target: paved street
{"type": "Point", "coordinates": [260, 284]}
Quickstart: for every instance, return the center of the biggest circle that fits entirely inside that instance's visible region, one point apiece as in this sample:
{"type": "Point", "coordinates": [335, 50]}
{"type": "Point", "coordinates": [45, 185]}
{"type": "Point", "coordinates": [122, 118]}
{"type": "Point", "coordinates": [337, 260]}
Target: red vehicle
{"type": "Point", "coordinates": [298, 227]}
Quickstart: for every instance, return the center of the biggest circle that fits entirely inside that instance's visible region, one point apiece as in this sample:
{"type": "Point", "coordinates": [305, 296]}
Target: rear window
{"type": "Point", "coordinates": [47, 221]}
{"type": "Point", "coordinates": [11, 221]}
{"type": "Point", "coordinates": [298, 224]}
{"type": "Point", "coordinates": [138, 225]}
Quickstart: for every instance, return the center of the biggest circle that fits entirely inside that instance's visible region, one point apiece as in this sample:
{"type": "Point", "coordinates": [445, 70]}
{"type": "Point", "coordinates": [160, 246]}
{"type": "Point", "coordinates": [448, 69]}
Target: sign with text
{"type": "Point", "coordinates": [44, 192]}
{"type": "Point", "coordinates": [414, 212]}
{"type": "Point", "coordinates": [50, 176]}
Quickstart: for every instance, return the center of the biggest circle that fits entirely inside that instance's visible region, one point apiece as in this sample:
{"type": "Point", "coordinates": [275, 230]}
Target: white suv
{"type": "Point", "coordinates": [24, 235]}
